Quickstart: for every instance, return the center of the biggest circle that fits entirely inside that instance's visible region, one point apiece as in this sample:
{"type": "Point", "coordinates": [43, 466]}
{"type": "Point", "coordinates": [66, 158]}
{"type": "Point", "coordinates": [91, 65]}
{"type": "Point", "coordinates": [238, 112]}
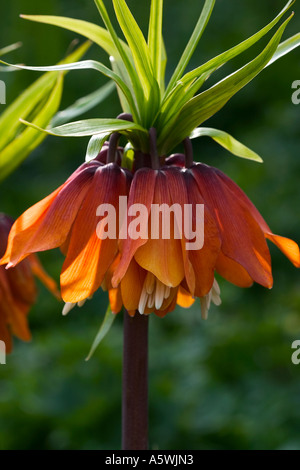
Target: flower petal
{"type": "Point", "coordinates": [46, 224]}
{"type": "Point", "coordinates": [162, 256]}
{"type": "Point", "coordinates": [115, 300]}
{"type": "Point", "coordinates": [88, 256]}
{"type": "Point", "coordinates": [184, 298]}
{"type": "Point", "coordinates": [242, 238]}
{"type": "Point", "coordinates": [233, 271]}
{"type": "Point", "coordinates": [40, 273]}
{"type": "Point", "coordinates": [288, 247]}
{"type": "Point", "coordinates": [179, 195]}
{"type": "Point", "coordinates": [132, 285]}
{"type": "Point", "coordinates": [204, 259]}
{"type": "Point", "coordinates": [141, 192]}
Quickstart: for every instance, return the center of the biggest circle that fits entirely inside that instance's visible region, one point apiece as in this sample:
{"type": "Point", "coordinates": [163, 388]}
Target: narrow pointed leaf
{"type": "Point", "coordinates": [95, 33]}
{"type": "Point", "coordinates": [226, 141]}
{"type": "Point", "coordinates": [125, 55]}
{"type": "Point", "coordinates": [155, 41]}
{"type": "Point", "coordinates": [94, 146]}
{"type": "Point", "coordinates": [193, 42]}
{"type": "Point", "coordinates": [83, 105]}
{"type": "Point", "coordinates": [26, 103]}
{"type": "Point", "coordinates": [8, 49]}
{"type": "Point", "coordinates": [104, 329]}
{"type": "Point", "coordinates": [137, 44]}
{"type": "Point", "coordinates": [118, 68]}
{"type": "Point", "coordinates": [285, 47]}
{"type": "Point", "coordinates": [14, 153]}
{"type": "Point", "coordinates": [88, 64]}
{"type": "Point", "coordinates": [221, 59]}
{"type": "Point", "coordinates": [90, 127]}
{"type": "Point", "coordinates": [206, 104]}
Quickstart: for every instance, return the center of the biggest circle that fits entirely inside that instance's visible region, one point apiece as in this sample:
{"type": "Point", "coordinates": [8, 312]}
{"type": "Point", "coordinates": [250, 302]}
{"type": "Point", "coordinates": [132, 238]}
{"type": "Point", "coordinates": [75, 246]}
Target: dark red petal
{"type": "Point", "coordinates": [242, 238]}
{"type": "Point", "coordinates": [89, 257]}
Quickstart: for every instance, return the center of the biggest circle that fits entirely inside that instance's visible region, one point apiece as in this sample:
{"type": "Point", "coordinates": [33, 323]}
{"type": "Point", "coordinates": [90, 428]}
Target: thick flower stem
{"type": "Point", "coordinates": [135, 383]}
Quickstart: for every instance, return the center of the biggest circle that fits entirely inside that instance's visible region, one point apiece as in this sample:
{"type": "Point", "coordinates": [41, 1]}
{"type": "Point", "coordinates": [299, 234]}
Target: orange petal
{"type": "Point", "coordinates": [88, 256]}
{"type": "Point", "coordinates": [204, 259]}
{"type": "Point", "coordinates": [288, 247]}
{"type": "Point", "coordinates": [46, 224]}
{"type": "Point", "coordinates": [162, 256]}
{"type": "Point", "coordinates": [233, 271]}
{"type": "Point", "coordinates": [242, 238]}
{"type": "Point", "coordinates": [132, 285]}
{"type": "Point", "coordinates": [41, 274]}
{"type": "Point", "coordinates": [141, 192]}
{"type": "Point", "coordinates": [179, 195]}
{"type": "Point", "coordinates": [115, 300]}
{"type": "Point", "coordinates": [184, 298]}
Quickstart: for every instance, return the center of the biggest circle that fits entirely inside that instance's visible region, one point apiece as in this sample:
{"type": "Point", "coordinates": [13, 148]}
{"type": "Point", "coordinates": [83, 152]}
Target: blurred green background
{"type": "Point", "coordinates": [227, 383]}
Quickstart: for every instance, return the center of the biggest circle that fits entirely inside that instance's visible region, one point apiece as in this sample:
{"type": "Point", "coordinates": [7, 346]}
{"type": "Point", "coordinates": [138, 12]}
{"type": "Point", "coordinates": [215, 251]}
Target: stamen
{"type": "Point", "coordinates": [153, 294]}
{"type": "Point", "coordinates": [150, 283]}
{"type": "Point", "coordinates": [143, 301]}
{"type": "Point", "coordinates": [167, 292]}
{"type": "Point", "coordinates": [67, 308]}
{"type": "Point", "coordinates": [159, 294]}
{"type": "Point", "coordinates": [212, 296]}
{"type": "Point", "coordinates": [151, 300]}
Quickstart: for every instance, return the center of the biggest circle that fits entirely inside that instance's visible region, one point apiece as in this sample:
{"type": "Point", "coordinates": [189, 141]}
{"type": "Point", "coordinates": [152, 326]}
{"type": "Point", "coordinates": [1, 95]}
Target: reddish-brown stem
{"type": "Point", "coordinates": [188, 151]}
{"type": "Point", "coordinates": [135, 383]}
{"type": "Point", "coordinates": [153, 149]}
{"type": "Point", "coordinates": [112, 148]}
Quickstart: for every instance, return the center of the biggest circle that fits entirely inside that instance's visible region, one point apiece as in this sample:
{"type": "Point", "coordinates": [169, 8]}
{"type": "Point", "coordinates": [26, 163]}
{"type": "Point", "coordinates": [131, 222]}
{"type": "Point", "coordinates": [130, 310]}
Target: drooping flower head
{"type": "Point", "coordinates": [112, 245]}
{"type": "Point", "coordinates": [18, 290]}
{"type": "Point", "coordinates": [68, 219]}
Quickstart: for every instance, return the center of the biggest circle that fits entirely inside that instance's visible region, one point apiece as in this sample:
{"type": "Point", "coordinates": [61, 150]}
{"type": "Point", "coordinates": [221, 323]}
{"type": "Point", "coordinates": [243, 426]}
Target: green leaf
{"type": "Point", "coordinates": [206, 104]}
{"type": "Point", "coordinates": [26, 103]}
{"type": "Point", "coordinates": [8, 49]}
{"type": "Point", "coordinates": [91, 31]}
{"type": "Point", "coordinates": [126, 57]}
{"type": "Point", "coordinates": [149, 105]}
{"type": "Point", "coordinates": [193, 42]}
{"type": "Point", "coordinates": [155, 41]}
{"type": "Point", "coordinates": [19, 148]}
{"type": "Point", "coordinates": [88, 64]}
{"type": "Point", "coordinates": [137, 44]}
{"type": "Point", "coordinates": [163, 68]}
{"type": "Point", "coordinates": [221, 59]}
{"type": "Point", "coordinates": [118, 68]}
{"type": "Point", "coordinates": [95, 145]}
{"type": "Point", "coordinates": [285, 47]}
{"type": "Point", "coordinates": [90, 127]}
{"type": "Point", "coordinates": [104, 329]}
{"type": "Point", "coordinates": [227, 141]}
{"type": "Point", "coordinates": [83, 105]}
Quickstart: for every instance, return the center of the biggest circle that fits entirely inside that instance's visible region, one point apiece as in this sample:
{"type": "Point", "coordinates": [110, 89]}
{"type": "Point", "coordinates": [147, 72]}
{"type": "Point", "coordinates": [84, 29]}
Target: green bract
{"type": "Point", "coordinates": [138, 67]}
